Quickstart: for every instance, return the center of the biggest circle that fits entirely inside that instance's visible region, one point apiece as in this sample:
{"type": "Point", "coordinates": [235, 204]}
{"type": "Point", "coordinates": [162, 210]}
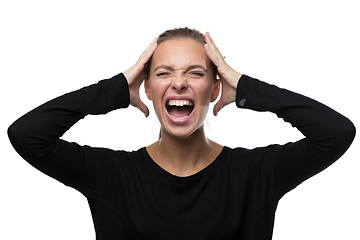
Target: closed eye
{"type": "Point", "coordinates": [162, 74]}
{"type": "Point", "coordinates": [199, 74]}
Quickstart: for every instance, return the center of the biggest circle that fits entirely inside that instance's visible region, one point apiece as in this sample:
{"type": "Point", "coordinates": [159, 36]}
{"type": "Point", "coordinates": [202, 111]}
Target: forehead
{"type": "Point", "coordinates": [180, 53]}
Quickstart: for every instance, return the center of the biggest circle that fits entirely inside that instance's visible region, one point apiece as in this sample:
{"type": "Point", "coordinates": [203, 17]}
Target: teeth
{"type": "Point", "coordinates": [178, 118]}
{"type": "Point", "coordinates": [180, 103]}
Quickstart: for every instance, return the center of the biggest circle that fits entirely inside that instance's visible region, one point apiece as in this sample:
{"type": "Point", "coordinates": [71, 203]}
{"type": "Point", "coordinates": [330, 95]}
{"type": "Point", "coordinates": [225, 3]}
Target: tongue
{"type": "Point", "coordinates": [180, 112]}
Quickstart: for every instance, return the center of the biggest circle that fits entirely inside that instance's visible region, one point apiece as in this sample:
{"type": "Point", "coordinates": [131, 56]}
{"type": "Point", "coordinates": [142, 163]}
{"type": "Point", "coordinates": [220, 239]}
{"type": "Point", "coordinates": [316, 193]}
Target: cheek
{"type": "Point", "coordinates": [157, 89]}
{"type": "Point", "coordinates": [204, 91]}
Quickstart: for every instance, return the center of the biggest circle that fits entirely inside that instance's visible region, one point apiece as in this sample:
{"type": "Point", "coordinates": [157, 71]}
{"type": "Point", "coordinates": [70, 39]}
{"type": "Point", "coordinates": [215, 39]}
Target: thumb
{"type": "Point", "coordinates": [142, 107]}
{"type": "Point", "coordinates": [218, 106]}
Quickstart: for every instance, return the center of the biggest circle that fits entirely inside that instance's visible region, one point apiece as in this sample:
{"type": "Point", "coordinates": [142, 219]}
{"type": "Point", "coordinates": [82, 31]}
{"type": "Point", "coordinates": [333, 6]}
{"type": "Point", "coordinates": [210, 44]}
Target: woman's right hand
{"type": "Point", "coordinates": [136, 75]}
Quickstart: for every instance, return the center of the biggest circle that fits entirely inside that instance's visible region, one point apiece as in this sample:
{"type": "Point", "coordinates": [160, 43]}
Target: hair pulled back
{"type": "Point", "coordinates": [179, 33]}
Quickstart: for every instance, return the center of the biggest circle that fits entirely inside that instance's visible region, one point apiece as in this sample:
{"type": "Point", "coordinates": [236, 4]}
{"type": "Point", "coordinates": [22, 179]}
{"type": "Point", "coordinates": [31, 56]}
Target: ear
{"type": "Point", "coordinates": [215, 92]}
{"type": "Point", "coordinates": [147, 89]}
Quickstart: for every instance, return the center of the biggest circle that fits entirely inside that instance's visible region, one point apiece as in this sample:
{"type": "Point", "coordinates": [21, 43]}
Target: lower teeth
{"type": "Point", "coordinates": [178, 118]}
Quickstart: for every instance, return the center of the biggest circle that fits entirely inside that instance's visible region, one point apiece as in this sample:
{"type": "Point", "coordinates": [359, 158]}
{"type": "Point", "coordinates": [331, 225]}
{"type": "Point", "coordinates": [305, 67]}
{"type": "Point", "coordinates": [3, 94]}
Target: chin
{"type": "Point", "coordinates": [180, 132]}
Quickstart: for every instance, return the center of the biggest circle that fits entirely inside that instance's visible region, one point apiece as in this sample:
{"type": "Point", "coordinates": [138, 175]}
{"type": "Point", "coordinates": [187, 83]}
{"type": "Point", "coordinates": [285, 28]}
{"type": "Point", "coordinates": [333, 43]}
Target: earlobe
{"type": "Point", "coordinates": [147, 89]}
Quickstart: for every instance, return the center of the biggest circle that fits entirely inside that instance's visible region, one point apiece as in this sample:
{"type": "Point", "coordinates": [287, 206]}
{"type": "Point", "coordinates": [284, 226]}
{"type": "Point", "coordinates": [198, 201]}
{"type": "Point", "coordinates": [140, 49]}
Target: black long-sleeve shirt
{"type": "Point", "coordinates": [131, 197]}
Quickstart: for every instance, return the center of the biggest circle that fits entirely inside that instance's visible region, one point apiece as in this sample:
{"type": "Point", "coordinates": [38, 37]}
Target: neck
{"type": "Point", "coordinates": [184, 156]}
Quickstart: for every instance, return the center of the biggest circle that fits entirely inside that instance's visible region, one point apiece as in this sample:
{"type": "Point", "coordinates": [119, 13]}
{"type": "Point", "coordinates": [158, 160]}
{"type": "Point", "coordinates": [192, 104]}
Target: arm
{"type": "Point", "coordinates": [36, 135]}
{"type": "Point", "coordinates": [327, 133]}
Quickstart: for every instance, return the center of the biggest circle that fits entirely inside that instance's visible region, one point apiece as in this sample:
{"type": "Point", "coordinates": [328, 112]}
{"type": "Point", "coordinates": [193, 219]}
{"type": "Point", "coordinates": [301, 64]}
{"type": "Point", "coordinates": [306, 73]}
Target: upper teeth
{"type": "Point", "coordinates": [180, 103]}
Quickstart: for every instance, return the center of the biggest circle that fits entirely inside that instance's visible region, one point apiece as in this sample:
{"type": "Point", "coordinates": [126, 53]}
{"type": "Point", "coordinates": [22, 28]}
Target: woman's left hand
{"type": "Point", "coordinates": [228, 77]}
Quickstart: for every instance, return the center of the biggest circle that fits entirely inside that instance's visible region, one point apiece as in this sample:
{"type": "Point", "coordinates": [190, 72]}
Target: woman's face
{"type": "Point", "coordinates": [181, 85]}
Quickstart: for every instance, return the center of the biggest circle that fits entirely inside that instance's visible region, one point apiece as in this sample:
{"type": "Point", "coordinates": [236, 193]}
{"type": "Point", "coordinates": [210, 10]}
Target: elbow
{"type": "Point", "coordinates": [12, 133]}
{"type": "Point", "coordinates": [15, 136]}
{"type": "Point", "coordinates": [346, 135]}
{"type": "Point", "coordinates": [27, 141]}
{"type": "Point", "coordinates": [339, 139]}
{"type": "Point", "coordinates": [21, 141]}
{"type": "Point", "coordinates": [349, 132]}
{"type": "Point", "coordinates": [18, 136]}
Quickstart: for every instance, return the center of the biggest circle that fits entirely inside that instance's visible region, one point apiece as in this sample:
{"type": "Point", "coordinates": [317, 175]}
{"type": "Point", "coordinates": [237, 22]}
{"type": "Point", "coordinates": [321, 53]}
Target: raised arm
{"type": "Point", "coordinates": [36, 135]}
{"type": "Point", "coordinates": [328, 134]}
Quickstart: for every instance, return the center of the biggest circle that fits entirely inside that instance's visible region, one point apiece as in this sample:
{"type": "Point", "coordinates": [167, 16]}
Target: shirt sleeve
{"type": "Point", "coordinates": [36, 135]}
{"type": "Point", "coordinates": [328, 134]}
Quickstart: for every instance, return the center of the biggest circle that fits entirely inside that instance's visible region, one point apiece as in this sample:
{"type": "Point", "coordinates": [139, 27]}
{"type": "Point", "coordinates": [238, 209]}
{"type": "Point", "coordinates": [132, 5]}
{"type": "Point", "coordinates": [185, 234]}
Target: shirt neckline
{"type": "Point", "coordinates": [193, 177]}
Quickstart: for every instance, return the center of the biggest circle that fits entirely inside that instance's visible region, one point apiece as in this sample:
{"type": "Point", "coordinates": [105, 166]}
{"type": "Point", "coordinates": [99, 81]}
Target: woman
{"type": "Point", "coordinates": [184, 186]}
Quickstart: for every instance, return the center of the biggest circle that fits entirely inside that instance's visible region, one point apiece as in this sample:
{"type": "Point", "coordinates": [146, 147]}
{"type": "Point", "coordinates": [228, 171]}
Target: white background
{"type": "Point", "coordinates": [52, 47]}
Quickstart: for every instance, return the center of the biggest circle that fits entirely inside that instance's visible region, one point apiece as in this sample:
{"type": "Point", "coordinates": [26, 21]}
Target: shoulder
{"type": "Point", "coordinates": [254, 152]}
{"type": "Point", "coordinates": [266, 156]}
{"type": "Point", "coordinates": [259, 166]}
{"type": "Point", "coordinates": [109, 158]}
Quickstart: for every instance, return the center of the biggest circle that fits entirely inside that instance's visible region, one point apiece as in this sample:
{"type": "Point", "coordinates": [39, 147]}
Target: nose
{"type": "Point", "coordinates": [179, 83]}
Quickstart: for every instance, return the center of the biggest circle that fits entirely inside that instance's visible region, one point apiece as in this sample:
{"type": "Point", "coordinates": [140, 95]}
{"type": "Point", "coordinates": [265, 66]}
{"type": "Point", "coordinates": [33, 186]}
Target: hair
{"type": "Point", "coordinates": [179, 33]}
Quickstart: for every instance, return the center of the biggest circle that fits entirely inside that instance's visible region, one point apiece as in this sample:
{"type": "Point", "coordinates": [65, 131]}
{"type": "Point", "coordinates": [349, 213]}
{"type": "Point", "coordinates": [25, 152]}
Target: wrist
{"type": "Point", "coordinates": [127, 75]}
{"type": "Point", "coordinates": [234, 78]}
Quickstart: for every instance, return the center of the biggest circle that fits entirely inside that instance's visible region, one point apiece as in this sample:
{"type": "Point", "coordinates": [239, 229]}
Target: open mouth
{"type": "Point", "coordinates": [179, 109]}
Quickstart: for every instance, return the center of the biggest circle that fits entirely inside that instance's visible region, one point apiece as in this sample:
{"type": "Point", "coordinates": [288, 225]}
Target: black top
{"type": "Point", "coordinates": [131, 197]}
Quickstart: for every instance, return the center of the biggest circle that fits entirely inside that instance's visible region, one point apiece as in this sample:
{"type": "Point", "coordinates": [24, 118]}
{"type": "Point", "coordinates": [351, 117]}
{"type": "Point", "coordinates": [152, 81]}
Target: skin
{"type": "Point", "coordinates": [183, 149]}
{"type": "Point", "coordinates": [181, 68]}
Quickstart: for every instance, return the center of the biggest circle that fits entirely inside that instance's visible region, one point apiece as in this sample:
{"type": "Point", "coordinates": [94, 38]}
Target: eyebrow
{"type": "Point", "coordinates": [170, 68]}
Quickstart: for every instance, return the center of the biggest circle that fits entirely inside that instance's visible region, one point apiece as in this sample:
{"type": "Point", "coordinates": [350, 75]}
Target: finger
{"type": "Point", "coordinates": [212, 51]}
{"type": "Point", "coordinates": [210, 41]}
{"type": "Point", "coordinates": [145, 56]}
{"type": "Point", "coordinates": [148, 48]}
